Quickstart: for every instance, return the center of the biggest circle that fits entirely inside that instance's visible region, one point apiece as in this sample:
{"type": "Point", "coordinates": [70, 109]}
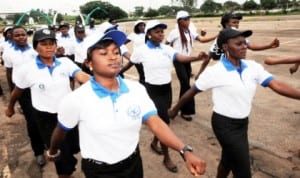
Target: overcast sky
{"type": "Point", "coordinates": [69, 6]}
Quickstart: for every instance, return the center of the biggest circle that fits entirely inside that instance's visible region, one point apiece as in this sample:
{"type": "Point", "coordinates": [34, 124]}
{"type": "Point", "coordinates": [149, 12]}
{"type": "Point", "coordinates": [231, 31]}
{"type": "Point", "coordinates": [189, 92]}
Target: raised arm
{"type": "Point", "coordinates": [274, 44]}
{"type": "Point", "coordinates": [283, 60]}
{"type": "Point", "coordinates": [284, 89]}
{"type": "Point", "coordinates": [183, 58]}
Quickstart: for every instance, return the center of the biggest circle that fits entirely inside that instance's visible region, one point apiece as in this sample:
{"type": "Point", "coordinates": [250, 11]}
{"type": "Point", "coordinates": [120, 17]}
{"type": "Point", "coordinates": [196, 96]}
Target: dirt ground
{"type": "Point", "coordinates": [274, 126]}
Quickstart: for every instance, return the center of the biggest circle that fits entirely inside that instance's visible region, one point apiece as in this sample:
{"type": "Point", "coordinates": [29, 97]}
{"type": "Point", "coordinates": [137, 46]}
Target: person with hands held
{"type": "Point", "coordinates": [233, 82]}
{"type": "Point", "coordinates": [113, 130]}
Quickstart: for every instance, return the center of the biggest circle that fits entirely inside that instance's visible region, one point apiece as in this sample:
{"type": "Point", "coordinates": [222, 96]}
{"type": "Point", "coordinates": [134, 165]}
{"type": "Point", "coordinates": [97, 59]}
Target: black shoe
{"type": "Point", "coordinates": [186, 117]}
{"type": "Point", "coordinates": [156, 149]}
{"type": "Point", "coordinates": [170, 168]}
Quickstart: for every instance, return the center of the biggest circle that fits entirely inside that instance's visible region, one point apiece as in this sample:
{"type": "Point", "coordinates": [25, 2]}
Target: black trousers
{"type": "Point", "coordinates": [35, 138]}
{"type": "Point", "coordinates": [183, 72]}
{"type": "Point", "coordinates": [70, 146]}
{"type": "Point", "coordinates": [161, 95]}
{"type": "Point", "coordinates": [233, 138]}
{"type": "Point", "coordinates": [131, 167]}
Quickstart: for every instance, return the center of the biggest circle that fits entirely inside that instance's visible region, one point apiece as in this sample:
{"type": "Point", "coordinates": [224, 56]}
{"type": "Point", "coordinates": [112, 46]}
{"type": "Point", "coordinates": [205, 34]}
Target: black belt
{"type": "Point", "coordinates": [124, 161]}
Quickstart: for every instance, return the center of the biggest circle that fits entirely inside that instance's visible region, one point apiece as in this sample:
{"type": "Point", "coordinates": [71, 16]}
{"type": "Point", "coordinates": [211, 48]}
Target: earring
{"type": "Point", "coordinates": [149, 36]}
{"type": "Point", "coordinates": [91, 69]}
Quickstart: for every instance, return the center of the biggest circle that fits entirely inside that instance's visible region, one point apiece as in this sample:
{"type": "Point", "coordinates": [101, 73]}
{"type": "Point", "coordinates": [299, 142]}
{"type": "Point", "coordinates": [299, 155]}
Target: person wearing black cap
{"type": "Point", "coordinates": [109, 112]}
{"type": "Point", "coordinates": [65, 41]}
{"type": "Point", "coordinates": [157, 60]}
{"type": "Point", "coordinates": [233, 81]}
{"type": "Point", "coordinates": [48, 80]}
{"type": "Point", "coordinates": [232, 20]}
{"type": "Point", "coordinates": [79, 46]}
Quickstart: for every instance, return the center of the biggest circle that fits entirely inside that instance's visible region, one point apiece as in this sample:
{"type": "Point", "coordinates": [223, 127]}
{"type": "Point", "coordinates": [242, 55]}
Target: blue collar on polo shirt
{"type": "Point", "coordinates": [65, 36]}
{"type": "Point", "coordinates": [17, 48]}
{"type": "Point", "coordinates": [41, 65]}
{"type": "Point", "coordinates": [152, 46]}
{"type": "Point", "coordinates": [230, 67]}
{"type": "Point", "coordinates": [102, 92]}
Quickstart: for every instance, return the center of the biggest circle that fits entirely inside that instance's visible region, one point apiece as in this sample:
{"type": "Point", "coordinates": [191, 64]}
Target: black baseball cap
{"type": "Point", "coordinates": [43, 34]}
{"type": "Point", "coordinates": [229, 33]}
{"type": "Point", "coordinates": [64, 24]}
{"type": "Point", "coordinates": [230, 15]}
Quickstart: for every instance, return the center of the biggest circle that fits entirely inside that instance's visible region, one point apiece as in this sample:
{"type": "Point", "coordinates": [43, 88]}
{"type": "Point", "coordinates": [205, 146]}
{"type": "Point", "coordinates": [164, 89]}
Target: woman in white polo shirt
{"type": "Point", "coordinates": [48, 80]}
{"type": "Point", "coordinates": [109, 112]}
{"type": "Point", "coordinates": [182, 39]}
{"type": "Point", "coordinates": [157, 60]}
{"type": "Point", "coordinates": [233, 81]}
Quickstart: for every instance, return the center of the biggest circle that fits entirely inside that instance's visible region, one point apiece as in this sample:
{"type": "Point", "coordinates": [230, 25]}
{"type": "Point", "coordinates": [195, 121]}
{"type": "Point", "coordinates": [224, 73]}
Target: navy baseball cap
{"type": "Point", "coordinates": [117, 36]}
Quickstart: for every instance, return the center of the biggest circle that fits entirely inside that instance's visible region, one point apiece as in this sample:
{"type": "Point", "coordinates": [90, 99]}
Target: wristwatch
{"type": "Point", "coordinates": [184, 149]}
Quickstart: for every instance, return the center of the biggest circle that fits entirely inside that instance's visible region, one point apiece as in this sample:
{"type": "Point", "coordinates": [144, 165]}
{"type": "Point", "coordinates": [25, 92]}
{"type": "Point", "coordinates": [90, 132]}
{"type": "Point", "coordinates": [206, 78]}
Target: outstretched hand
{"type": "Point", "coordinates": [294, 68]}
{"type": "Point", "coordinates": [203, 56]}
{"type": "Point", "coordinates": [275, 43]}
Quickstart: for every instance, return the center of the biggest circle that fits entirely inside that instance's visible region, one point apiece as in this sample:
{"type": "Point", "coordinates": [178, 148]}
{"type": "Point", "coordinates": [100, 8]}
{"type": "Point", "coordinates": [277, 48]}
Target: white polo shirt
{"type": "Point", "coordinates": [48, 85]}
{"type": "Point", "coordinates": [157, 62]}
{"type": "Point", "coordinates": [174, 38]}
{"type": "Point", "coordinates": [15, 57]}
{"type": "Point", "coordinates": [67, 42]}
{"type": "Point", "coordinates": [138, 39]}
{"type": "Point", "coordinates": [80, 51]}
{"type": "Point", "coordinates": [109, 122]}
{"type": "Point", "coordinates": [233, 89]}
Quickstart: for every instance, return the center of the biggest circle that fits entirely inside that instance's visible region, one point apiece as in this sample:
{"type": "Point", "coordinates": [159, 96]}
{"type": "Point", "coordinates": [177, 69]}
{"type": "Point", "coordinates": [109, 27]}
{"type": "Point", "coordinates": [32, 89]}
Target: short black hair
{"type": "Point", "coordinates": [230, 15]}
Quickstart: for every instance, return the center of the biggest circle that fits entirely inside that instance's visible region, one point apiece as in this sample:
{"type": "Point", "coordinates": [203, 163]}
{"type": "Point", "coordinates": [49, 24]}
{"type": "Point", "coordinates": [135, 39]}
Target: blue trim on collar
{"type": "Point", "coordinates": [79, 40]}
{"type": "Point", "coordinates": [152, 46]}
{"type": "Point", "coordinates": [102, 92]}
{"type": "Point", "coordinates": [41, 65]}
{"type": "Point", "coordinates": [17, 48]}
{"type": "Point", "coordinates": [230, 67]}
{"type": "Point", "coordinates": [65, 36]}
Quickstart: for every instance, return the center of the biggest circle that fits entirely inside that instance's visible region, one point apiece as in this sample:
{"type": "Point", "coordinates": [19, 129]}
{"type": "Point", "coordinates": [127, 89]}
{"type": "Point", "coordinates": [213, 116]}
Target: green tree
{"type": "Point", "coordinates": [188, 3]}
{"type": "Point", "coordinates": [250, 5]}
{"type": "Point", "coordinates": [267, 4]}
{"type": "Point", "coordinates": [166, 10]}
{"type": "Point", "coordinates": [151, 13]}
{"type": "Point", "coordinates": [138, 11]}
{"type": "Point", "coordinates": [209, 6]}
{"type": "Point", "coordinates": [231, 6]}
{"type": "Point", "coordinates": [105, 10]}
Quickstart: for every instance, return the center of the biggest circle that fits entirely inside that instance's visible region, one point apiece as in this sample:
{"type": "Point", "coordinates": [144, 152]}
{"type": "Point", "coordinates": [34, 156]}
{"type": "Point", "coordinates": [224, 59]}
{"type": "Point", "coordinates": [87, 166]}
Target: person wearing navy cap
{"type": "Point", "coordinates": [48, 80]}
{"type": "Point", "coordinates": [109, 112]}
{"type": "Point", "coordinates": [233, 81]}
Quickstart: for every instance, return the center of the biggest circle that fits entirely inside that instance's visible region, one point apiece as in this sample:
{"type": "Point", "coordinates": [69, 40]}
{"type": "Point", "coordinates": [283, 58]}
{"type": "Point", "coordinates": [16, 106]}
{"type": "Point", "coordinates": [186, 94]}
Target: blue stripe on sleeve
{"type": "Point", "coordinates": [147, 115]}
{"type": "Point", "coordinates": [63, 127]}
{"type": "Point", "coordinates": [174, 56]}
{"type": "Point", "coordinates": [75, 72]}
{"type": "Point", "coordinates": [266, 82]}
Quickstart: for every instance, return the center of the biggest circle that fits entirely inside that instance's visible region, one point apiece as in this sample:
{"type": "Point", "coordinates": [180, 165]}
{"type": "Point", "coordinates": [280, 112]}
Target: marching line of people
{"type": "Point", "coordinates": [102, 117]}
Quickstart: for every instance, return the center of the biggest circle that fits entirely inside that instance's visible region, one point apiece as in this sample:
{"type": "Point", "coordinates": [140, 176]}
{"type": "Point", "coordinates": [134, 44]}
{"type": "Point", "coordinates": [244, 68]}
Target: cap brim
{"type": "Point", "coordinates": [117, 36]}
{"type": "Point", "coordinates": [45, 38]}
{"type": "Point", "coordinates": [246, 33]}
